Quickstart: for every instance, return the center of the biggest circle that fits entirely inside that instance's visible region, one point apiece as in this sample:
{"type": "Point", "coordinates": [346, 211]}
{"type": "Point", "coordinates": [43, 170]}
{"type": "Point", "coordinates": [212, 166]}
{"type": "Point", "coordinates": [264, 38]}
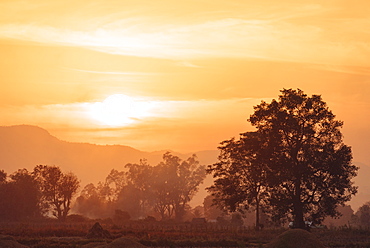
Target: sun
{"type": "Point", "coordinates": [119, 110]}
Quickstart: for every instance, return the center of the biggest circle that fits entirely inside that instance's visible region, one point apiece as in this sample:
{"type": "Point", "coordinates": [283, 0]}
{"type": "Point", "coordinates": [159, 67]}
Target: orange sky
{"type": "Point", "coordinates": [193, 70]}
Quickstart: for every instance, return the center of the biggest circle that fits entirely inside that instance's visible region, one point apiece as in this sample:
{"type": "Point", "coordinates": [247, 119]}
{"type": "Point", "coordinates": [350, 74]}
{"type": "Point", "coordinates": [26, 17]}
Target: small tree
{"type": "Point", "coordinates": [115, 181]}
{"type": "Point", "coordinates": [90, 203]}
{"type": "Point", "coordinates": [174, 183]}
{"type": "Point", "coordinates": [346, 218]}
{"type": "Point", "coordinates": [68, 188]}
{"type": "Point", "coordinates": [57, 188]}
{"type": "Point", "coordinates": [240, 175]}
{"type": "Point", "coordinates": [19, 197]}
{"type": "Point", "coordinates": [188, 178]}
{"type": "Point", "coordinates": [212, 211]}
{"type": "Point", "coordinates": [362, 216]}
{"type": "Point", "coordinates": [3, 176]}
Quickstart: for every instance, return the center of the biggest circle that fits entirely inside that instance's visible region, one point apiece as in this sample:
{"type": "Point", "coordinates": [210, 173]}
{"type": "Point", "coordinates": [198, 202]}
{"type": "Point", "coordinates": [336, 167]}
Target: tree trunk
{"type": "Point", "coordinates": [258, 225]}
{"type": "Point", "coordinates": [179, 212]}
{"type": "Point", "coordinates": [59, 212]}
{"type": "Point", "coordinates": [298, 216]}
{"type": "Point", "coordinates": [66, 208]}
{"type": "Point", "coordinates": [162, 212]}
{"type": "Point", "coordinates": [298, 207]}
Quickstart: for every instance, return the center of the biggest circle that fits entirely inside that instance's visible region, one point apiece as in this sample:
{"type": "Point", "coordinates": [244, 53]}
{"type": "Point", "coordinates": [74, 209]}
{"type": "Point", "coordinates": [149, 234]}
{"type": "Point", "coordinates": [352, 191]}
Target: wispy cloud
{"type": "Point", "coordinates": [301, 32]}
{"type": "Point", "coordinates": [111, 72]}
{"type": "Point", "coordinates": [220, 38]}
{"type": "Point", "coordinates": [343, 69]}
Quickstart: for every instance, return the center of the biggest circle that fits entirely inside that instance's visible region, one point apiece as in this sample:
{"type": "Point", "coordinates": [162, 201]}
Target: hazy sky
{"type": "Point", "coordinates": [180, 75]}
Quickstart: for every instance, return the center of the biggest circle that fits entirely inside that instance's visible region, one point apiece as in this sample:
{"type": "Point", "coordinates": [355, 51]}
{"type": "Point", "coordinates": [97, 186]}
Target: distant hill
{"type": "Point", "coordinates": [26, 146]}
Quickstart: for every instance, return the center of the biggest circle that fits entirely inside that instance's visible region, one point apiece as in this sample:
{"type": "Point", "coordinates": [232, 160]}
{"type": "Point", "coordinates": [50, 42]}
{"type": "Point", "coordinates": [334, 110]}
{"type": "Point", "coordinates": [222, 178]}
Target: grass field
{"type": "Point", "coordinates": [53, 234]}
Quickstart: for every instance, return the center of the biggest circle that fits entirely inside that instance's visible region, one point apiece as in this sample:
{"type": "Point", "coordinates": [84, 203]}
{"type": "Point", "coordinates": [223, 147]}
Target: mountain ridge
{"type": "Point", "coordinates": [25, 146]}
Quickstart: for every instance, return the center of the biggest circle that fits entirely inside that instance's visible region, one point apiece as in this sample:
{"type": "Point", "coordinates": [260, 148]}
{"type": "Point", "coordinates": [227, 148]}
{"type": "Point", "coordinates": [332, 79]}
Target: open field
{"type": "Point", "coordinates": [37, 235]}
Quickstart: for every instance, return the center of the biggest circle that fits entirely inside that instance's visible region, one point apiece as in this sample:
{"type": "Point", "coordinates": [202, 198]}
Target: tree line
{"type": "Point", "coordinates": [163, 190]}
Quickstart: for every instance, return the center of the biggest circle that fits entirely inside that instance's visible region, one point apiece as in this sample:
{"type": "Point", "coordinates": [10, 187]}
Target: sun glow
{"type": "Point", "coordinates": [120, 110]}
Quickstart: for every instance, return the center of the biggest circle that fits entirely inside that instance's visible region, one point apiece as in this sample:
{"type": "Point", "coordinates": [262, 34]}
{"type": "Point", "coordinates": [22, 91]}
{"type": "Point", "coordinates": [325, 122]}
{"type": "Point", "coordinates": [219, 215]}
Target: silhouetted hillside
{"type": "Point", "coordinates": [25, 146]}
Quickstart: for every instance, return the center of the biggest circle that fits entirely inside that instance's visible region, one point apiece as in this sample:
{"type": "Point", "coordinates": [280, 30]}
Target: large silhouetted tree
{"type": "Point", "coordinates": [57, 188]}
{"type": "Point", "coordinates": [308, 167]}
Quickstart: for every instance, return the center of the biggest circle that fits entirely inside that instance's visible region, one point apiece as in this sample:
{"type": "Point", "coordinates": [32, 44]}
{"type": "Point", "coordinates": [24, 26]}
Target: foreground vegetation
{"type": "Point", "coordinates": [161, 234]}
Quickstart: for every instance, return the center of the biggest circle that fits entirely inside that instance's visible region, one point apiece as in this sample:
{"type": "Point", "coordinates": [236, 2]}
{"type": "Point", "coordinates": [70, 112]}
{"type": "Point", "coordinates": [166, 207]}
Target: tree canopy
{"type": "Point", "coordinates": [19, 196]}
{"type": "Point", "coordinates": [57, 189]}
{"type": "Point", "coordinates": [163, 190]}
{"type": "Point", "coordinates": [297, 155]}
{"type": "Point", "coordinates": [27, 195]}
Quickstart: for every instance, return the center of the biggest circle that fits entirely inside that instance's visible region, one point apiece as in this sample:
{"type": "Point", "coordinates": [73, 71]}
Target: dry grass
{"type": "Point", "coordinates": [52, 234]}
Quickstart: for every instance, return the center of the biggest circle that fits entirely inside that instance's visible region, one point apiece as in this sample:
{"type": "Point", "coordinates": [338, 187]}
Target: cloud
{"type": "Point", "coordinates": [342, 69]}
{"type": "Point", "coordinates": [236, 38]}
{"type": "Point", "coordinates": [188, 64]}
{"type": "Point", "coordinates": [309, 33]}
{"type": "Point", "coordinates": [74, 114]}
{"type": "Point", "coordinates": [125, 73]}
